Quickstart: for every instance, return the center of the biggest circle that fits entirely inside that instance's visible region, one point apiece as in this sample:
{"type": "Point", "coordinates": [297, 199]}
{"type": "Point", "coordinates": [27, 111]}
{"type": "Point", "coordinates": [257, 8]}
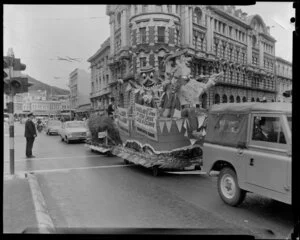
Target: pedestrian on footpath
{"type": "Point", "coordinates": [30, 134]}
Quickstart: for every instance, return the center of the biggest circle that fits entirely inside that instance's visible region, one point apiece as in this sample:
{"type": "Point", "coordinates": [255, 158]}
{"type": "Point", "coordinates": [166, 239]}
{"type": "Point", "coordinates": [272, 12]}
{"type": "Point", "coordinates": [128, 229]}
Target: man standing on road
{"type": "Point", "coordinates": [30, 134]}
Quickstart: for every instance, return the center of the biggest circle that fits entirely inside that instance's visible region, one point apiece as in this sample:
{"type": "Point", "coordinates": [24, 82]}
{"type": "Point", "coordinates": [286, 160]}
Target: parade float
{"type": "Point", "coordinates": [162, 128]}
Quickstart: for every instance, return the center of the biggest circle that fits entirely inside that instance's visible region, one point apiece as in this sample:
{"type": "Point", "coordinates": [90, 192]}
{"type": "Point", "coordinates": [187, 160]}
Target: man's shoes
{"type": "Point", "coordinates": [31, 156]}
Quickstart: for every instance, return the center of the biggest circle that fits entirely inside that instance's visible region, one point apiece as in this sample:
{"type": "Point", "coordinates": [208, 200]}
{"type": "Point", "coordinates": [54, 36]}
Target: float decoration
{"type": "Point", "coordinates": [162, 127]}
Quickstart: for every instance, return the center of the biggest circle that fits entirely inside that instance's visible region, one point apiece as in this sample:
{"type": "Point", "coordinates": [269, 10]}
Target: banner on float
{"type": "Point", "coordinates": [123, 120]}
{"type": "Point", "coordinates": [146, 121]}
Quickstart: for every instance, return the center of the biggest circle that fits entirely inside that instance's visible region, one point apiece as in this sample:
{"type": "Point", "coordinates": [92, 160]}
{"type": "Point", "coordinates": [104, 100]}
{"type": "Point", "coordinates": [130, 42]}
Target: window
{"type": "Point", "coordinates": [230, 54]}
{"type": "Point", "coordinates": [237, 55]}
{"type": "Point", "coordinates": [268, 129]}
{"type": "Point", "coordinates": [177, 37]}
{"type": "Point", "coordinates": [161, 34]}
{"type": "Point", "coordinates": [143, 62]}
{"type": "Point", "coordinates": [217, 98]}
{"type": "Point", "coordinates": [160, 63]}
{"type": "Point", "coordinates": [230, 31]}
{"type": "Point", "coordinates": [198, 16]}
{"type": "Point", "coordinates": [216, 49]}
{"type": "Point", "coordinates": [169, 8]}
{"type": "Point", "coordinates": [144, 8]}
{"type": "Point", "coordinates": [224, 27]}
{"type": "Point", "coordinates": [231, 99]}
{"type": "Point", "coordinates": [177, 9]}
{"type": "Point", "coordinates": [143, 35]}
{"type": "Point", "coordinates": [159, 8]}
{"type": "Point", "coordinates": [196, 40]}
{"type": "Point", "coordinates": [119, 19]}
{"type": "Point", "coordinates": [135, 9]}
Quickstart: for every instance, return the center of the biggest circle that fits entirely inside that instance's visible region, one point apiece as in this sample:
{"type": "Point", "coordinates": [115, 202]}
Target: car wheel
{"type": "Point", "coordinates": [67, 140]}
{"type": "Point", "coordinates": [62, 139]}
{"type": "Point", "coordinates": [126, 161]}
{"type": "Point", "coordinates": [229, 189]}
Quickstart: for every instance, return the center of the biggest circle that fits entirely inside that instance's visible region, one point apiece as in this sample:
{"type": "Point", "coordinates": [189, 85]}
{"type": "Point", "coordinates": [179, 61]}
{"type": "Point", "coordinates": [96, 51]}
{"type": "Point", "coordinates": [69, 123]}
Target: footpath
{"type": "Point", "coordinates": [18, 205]}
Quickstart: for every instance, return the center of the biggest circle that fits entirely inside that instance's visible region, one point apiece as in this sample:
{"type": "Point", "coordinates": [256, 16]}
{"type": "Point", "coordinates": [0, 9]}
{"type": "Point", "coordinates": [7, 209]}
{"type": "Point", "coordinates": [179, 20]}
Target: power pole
{"type": "Point", "coordinates": [11, 117]}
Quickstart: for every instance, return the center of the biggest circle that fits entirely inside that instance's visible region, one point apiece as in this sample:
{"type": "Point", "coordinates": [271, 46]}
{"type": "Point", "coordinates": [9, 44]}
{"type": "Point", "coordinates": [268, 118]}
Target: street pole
{"type": "Point", "coordinates": [11, 124]}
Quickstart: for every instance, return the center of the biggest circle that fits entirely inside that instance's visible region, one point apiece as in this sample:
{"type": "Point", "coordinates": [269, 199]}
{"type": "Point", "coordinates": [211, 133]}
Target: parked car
{"type": "Point", "coordinates": [250, 145]}
{"type": "Point", "coordinates": [73, 131]}
{"type": "Point", "coordinates": [53, 127]}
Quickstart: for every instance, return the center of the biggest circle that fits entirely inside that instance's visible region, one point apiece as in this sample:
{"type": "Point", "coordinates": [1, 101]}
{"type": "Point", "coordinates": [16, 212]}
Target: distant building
{"type": "Point", "coordinates": [284, 78]}
{"type": "Point", "coordinates": [80, 88]}
{"type": "Point", "coordinates": [100, 77]}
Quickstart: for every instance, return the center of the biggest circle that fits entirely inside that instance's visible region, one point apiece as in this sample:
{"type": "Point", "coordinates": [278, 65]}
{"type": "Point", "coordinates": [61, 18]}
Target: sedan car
{"type": "Point", "coordinates": [73, 131]}
{"type": "Point", "coordinates": [53, 127]}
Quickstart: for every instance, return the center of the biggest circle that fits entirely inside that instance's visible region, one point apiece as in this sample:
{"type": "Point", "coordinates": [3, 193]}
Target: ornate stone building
{"type": "Point", "coordinates": [219, 38]}
{"type": "Point", "coordinates": [284, 78]}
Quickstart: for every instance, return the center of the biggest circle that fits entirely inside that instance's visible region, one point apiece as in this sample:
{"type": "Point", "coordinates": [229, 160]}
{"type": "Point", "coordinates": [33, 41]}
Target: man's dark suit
{"type": "Point", "coordinates": [30, 134]}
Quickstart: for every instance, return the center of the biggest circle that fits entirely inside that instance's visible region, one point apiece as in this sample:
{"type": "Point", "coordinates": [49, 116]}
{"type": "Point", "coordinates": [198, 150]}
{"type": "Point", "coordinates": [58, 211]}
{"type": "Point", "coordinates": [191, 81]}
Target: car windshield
{"type": "Point", "coordinates": [75, 124]}
{"type": "Point", "coordinates": [55, 123]}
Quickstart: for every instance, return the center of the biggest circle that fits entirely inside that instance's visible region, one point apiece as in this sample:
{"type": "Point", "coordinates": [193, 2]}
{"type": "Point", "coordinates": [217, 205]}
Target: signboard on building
{"type": "Point", "coordinates": [146, 120]}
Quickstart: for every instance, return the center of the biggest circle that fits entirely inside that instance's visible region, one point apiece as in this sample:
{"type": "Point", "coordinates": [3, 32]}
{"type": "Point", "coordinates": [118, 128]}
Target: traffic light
{"type": "Point", "coordinates": [17, 65]}
{"type": "Point", "coordinates": [14, 84]}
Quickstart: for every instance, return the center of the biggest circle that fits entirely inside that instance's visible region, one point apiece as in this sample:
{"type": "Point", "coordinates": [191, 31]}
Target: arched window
{"type": "Point", "coordinates": [238, 99]}
{"type": "Point", "coordinates": [231, 99]}
{"type": "Point", "coordinates": [244, 99]}
{"type": "Point", "coordinates": [257, 100]}
{"type": "Point", "coordinates": [254, 41]}
{"type": "Point", "coordinates": [204, 100]}
{"type": "Point", "coordinates": [217, 99]}
{"type": "Point", "coordinates": [224, 99]}
{"type": "Point", "coordinates": [252, 100]}
{"type": "Point", "coordinates": [273, 100]}
{"type": "Point", "coordinates": [197, 15]}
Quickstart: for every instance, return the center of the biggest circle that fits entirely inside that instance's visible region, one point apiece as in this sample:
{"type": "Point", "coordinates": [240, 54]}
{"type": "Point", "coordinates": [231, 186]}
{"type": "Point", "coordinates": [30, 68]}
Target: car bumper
{"type": "Point", "coordinates": [73, 138]}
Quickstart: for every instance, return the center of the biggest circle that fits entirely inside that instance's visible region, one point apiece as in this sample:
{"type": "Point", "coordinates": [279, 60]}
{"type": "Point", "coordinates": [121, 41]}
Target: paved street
{"type": "Point", "coordinates": [85, 189]}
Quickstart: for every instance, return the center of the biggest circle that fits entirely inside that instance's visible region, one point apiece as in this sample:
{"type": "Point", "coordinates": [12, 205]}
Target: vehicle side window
{"type": "Point", "coordinates": [268, 129]}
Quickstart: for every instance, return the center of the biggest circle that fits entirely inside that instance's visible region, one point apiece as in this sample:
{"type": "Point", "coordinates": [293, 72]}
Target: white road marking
{"type": "Point", "coordinates": [53, 158]}
{"type": "Point", "coordinates": [69, 169]}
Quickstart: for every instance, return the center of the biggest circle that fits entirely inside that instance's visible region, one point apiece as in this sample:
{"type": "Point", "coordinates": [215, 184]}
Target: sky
{"type": "Point", "coordinates": [39, 34]}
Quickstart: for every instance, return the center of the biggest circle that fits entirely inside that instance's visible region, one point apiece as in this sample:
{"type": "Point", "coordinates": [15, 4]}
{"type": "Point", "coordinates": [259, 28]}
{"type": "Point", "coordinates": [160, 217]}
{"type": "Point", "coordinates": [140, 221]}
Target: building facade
{"type": "Point", "coordinates": [37, 103]}
{"type": "Point", "coordinates": [284, 78]}
{"type": "Point", "coordinates": [219, 38]}
{"type": "Point", "coordinates": [80, 88]}
{"type": "Point", "coordinates": [100, 77]}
